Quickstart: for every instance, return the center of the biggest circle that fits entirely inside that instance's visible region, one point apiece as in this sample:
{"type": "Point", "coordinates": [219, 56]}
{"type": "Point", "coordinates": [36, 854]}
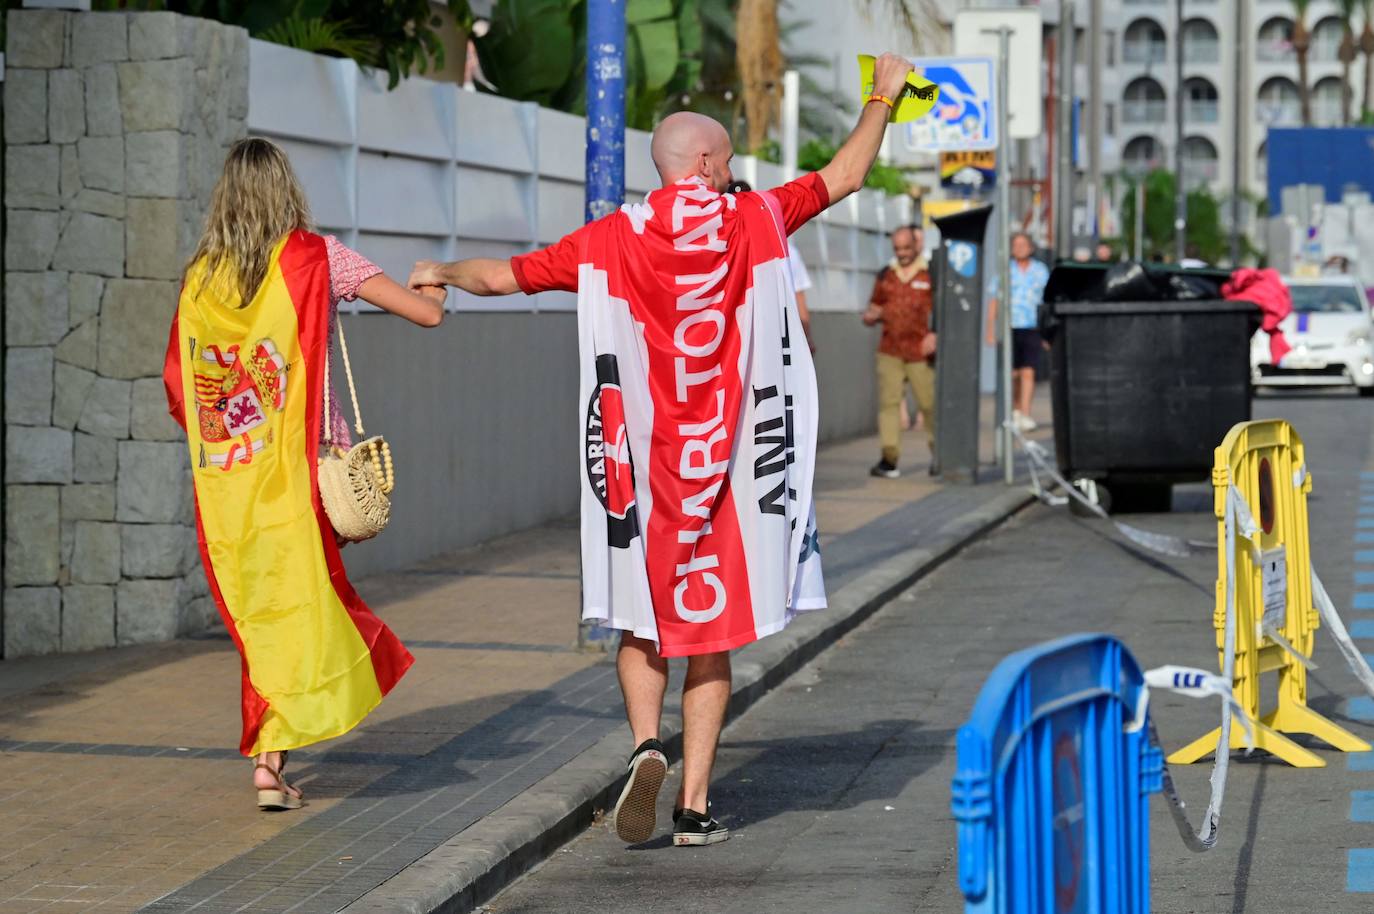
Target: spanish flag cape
{"type": "Point", "coordinates": [247, 384]}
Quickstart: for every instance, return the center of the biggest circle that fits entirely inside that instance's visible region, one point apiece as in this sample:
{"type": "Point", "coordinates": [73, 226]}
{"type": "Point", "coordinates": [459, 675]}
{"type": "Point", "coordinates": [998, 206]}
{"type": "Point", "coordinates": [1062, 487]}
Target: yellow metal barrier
{"type": "Point", "coordinates": [1264, 460]}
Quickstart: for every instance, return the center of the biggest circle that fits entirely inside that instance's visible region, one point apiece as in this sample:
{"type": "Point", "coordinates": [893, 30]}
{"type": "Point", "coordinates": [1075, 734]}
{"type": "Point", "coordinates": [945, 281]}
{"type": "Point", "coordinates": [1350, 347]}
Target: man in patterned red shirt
{"type": "Point", "coordinates": [902, 302]}
{"type": "Point", "coordinates": [698, 525]}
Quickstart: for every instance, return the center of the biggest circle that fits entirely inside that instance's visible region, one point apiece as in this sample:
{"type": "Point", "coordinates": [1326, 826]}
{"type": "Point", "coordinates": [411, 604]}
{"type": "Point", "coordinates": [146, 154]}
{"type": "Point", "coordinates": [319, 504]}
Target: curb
{"type": "Point", "coordinates": [473, 866]}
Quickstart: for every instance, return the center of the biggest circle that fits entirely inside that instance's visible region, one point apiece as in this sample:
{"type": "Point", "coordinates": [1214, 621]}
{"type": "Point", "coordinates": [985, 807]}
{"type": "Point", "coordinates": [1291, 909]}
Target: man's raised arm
{"type": "Point", "coordinates": [480, 276]}
{"type": "Point", "coordinates": [846, 172]}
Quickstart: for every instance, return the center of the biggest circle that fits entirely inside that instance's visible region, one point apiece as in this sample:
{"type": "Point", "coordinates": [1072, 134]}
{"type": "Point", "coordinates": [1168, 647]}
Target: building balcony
{"type": "Point", "coordinates": [1201, 112]}
{"type": "Point", "coordinates": [1144, 111]}
{"type": "Point", "coordinates": [1201, 52]}
{"type": "Point", "coordinates": [1144, 52]}
{"type": "Point", "coordinates": [1201, 169]}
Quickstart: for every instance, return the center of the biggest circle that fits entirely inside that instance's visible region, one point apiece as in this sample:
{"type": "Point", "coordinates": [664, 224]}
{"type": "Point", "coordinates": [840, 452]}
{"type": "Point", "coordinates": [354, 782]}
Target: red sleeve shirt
{"type": "Point", "coordinates": [802, 200]}
{"type": "Point", "coordinates": [553, 268]}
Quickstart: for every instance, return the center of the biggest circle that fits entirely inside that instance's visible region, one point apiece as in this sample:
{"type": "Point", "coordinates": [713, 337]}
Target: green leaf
{"type": "Point", "coordinates": [690, 32]}
{"type": "Point", "coordinates": [658, 46]}
{"type": "Point", "coordinates": [637, 11]}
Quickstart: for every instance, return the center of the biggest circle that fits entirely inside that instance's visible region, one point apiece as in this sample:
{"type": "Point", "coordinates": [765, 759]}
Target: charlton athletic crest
{"type": "Point", "coordinates": [610, 469]}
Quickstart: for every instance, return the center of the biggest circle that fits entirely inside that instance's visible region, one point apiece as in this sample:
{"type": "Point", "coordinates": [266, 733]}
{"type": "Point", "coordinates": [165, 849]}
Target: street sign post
{"type": "Point", "coordinates": [1012, 37]}
{"type": "Point", "coordinates": [975, 35]}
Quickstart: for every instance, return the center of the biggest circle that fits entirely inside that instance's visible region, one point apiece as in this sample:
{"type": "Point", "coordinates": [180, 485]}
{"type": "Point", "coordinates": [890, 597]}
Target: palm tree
{"type": "Point", "coordinates": [1348, 52]}
{"type": "Point", "coordinates": [1367, 47]}
{"type": "Point", "coordinates": [761, 62]}
{"type": "Point", "coordinates": [758, 55]}
{"type": "Point", "coordinates": [1302, 43]}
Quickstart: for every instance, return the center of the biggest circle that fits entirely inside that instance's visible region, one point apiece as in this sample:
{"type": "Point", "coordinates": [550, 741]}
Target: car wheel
{"type": "Point", "coordinates": [1366, 391]}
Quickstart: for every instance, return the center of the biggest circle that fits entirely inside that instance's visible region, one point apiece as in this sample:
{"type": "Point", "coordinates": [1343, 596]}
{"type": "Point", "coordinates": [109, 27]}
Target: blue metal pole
{"type": "Point", "coordinates": [605, 159]}
{"type": "Point", "coordinates": [605, 107]}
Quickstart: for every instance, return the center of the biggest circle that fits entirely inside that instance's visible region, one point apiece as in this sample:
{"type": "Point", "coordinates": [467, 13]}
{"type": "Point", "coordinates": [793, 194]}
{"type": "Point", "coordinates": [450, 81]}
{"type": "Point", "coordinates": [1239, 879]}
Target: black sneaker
{"type": "Point", "coordinates": [692, 829]}
{"type": "Point", "coordinates": [885, 469]}
{"type": "Point", "coordinates": [634, 812]}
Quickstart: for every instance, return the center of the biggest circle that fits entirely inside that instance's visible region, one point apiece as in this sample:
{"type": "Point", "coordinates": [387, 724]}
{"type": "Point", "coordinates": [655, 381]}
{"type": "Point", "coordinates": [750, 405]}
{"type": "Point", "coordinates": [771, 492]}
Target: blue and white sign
{"type": "Point", "coordinates": [965, 118]}
{"type": "Point", "coordinates": [963, 258]}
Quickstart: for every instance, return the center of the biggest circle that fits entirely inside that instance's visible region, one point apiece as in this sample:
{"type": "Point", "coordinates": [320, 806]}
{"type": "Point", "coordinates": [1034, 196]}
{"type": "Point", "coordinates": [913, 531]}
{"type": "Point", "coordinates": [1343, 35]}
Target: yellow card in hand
{"type": "Point", "coordinates": [916, 100]}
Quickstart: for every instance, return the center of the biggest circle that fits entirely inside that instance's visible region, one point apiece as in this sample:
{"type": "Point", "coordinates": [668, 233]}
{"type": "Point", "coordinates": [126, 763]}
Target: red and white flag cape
{"type": "Point", "coordinates": [700, 417]}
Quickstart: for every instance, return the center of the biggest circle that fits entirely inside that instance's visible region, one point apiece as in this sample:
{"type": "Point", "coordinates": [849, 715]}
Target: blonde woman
{"type": "Point", "coordinates": [245, 375]}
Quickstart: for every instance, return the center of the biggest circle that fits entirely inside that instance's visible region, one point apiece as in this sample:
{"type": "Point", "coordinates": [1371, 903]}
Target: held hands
{"type": "Point", "coordinates": [425, 273]}
{"type": "Point", "coordinates": [889, 75]}
{"type": "Point", "coordinates": [436, 294]}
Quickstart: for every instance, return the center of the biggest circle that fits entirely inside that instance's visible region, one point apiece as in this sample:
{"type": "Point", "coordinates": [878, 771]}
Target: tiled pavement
{"type": "Point", "coordinates": [121, 789]}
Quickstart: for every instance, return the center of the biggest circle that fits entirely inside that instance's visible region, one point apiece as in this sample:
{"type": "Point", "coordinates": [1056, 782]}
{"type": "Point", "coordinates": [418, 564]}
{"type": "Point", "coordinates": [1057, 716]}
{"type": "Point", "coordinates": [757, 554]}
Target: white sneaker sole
{"type": "Point", "coordinates": [635, 811]}
{"type": "Point", "coordinates": [690, 840]}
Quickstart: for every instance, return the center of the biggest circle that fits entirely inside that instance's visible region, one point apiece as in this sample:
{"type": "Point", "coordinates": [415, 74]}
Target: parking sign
{"type": "Point", "coordinates": [965, 117]}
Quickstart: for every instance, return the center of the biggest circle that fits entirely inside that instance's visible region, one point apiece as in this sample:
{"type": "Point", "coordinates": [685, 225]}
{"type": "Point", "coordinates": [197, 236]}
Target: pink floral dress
{"type": "Point", "coordinates": [347, 271]}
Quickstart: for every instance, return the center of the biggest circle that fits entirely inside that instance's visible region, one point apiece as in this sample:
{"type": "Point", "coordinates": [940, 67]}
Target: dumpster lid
{"type": "Point", "coordinates": [1071, 281]}
{"type": "Point", "coordinates": [1193, 306]}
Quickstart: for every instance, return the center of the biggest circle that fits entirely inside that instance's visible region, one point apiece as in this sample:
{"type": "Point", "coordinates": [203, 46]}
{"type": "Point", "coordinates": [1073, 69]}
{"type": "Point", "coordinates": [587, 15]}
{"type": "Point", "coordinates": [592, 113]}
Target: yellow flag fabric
{"type": "Point", "coordinates": [916, 101]}
{"type": "Point", "coordinates": [246, 382]}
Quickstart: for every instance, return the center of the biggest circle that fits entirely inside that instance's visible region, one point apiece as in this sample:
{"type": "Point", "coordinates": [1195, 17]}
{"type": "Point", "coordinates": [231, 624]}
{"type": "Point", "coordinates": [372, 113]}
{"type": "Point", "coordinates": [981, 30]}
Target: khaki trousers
{"type": "Point", "coordinates": [893, 373]}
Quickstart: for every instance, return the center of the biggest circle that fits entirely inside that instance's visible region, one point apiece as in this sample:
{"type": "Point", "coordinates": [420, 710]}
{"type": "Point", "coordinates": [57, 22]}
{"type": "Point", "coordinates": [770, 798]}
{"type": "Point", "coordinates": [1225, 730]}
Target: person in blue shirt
{"type": "Point", "coordinates": [1028, 279]}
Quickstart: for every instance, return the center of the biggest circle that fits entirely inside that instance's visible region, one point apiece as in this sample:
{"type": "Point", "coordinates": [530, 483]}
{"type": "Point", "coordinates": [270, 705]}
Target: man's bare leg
{"type": "Point", "coordinates": [1025, 389]}
{"type": "Point", "coordinates": [704, 698]}
{"type": "Point", "coordinates": [643, 680]}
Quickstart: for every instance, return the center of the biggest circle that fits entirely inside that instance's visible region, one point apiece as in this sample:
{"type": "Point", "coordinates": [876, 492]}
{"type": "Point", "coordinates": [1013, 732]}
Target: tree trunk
{"type": "Point", "coordinates": [1367, 47]}
{"type": "Point", "coordinates": [1348, 53]}
{"type": "Point", "coordinates": [1302, 43]}
{"type": "Point", "coordinates": [758, 55]}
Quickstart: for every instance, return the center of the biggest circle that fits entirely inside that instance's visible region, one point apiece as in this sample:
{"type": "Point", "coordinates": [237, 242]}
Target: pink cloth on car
{"type": "Point", "coordinates": [1265, 289]}
{"type": "Point", "coordinates": [348, 270]}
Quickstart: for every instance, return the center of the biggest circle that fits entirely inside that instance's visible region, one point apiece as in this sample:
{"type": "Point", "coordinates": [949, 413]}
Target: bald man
{"type": "Point", "coordinates": [698, 524]}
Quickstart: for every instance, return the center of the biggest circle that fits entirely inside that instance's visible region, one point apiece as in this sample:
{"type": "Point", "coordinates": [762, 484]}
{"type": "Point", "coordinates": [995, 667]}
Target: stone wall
{"type": "Point", "coordinates": [116, 126]}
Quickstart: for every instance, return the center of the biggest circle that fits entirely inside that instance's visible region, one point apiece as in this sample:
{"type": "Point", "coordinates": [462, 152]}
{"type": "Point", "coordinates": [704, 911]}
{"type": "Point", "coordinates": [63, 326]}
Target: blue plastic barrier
{"type": "Point", "coordinates": [1052, 789]}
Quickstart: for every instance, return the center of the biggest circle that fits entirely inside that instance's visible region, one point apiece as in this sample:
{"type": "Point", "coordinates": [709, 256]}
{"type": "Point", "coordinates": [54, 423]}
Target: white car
{"type": "Point", "coordinates": [1331, 331]}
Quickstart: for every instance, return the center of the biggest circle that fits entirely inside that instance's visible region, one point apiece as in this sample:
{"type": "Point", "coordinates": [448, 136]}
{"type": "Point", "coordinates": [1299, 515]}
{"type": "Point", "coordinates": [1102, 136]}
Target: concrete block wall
{"type": "Point", "coordinates": [116, 126]}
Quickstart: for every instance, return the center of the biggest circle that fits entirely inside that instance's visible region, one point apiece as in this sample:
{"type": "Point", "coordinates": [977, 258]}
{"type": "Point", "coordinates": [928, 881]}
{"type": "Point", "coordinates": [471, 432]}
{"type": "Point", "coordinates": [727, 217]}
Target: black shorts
{"type": "Point", "coordinates": [1025, 348]}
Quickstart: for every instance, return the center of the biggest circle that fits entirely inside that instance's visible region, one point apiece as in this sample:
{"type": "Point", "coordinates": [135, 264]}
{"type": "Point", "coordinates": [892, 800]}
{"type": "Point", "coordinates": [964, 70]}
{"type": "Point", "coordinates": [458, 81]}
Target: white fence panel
{"type": "Point", "coordinates": [429, 171]}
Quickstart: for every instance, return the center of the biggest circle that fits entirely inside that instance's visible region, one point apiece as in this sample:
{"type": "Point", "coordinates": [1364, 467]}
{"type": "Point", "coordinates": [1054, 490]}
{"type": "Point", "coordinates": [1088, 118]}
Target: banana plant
{"type": "Point", "coordinates": [536, 51]}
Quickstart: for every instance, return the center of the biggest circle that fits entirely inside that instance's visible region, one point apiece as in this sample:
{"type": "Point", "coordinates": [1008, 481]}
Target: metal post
{"type": "Point", "coordinates": [1095, 114]}
{"type": "Point", "coordinates": [791, 120]}
{"type": "Point", "coordinates": [1003, 246]}
{"type": "Point", "coordinates": [605, 107]}
{"type": "Point", "coordinates": [605, 188]}
{"type": "Point", "coordinates": [1242, 141]}
{"type": "Point", "coordinates": [1140, 219]}
{"type": "Point", "coordinates": [1180, 186]}
{"type": "Point", "coordinates": [1063, 181]}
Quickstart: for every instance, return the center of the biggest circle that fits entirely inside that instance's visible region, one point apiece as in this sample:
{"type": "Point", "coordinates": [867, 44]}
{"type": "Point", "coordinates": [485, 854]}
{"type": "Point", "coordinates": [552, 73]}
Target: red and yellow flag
{"type": "Point", "coordinates": [247, 384]}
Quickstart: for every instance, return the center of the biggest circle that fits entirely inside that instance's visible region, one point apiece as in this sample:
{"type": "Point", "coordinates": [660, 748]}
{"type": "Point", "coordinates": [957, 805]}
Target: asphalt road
{"type": "Point", "coordinates": [837, 784]}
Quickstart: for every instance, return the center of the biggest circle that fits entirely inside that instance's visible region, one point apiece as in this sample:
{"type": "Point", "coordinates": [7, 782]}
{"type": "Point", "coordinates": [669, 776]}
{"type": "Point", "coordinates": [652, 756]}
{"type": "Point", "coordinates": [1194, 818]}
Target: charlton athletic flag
{"type": "Point", "coordinates": [698, 399]}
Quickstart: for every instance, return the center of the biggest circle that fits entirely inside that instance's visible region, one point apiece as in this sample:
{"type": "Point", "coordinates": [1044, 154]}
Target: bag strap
{"type": "Point", "coordinates": [328, 388]}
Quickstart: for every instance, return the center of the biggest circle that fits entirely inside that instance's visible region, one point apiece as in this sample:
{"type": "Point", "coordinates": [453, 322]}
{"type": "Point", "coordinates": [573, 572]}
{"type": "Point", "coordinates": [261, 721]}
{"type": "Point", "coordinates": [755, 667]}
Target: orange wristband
{"type": "Point", "coordinates": [881, 98]}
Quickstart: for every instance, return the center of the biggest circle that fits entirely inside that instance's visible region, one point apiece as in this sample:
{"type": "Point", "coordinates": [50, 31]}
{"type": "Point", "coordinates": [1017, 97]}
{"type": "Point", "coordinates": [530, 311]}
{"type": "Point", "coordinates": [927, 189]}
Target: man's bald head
{"type": "Point", "coordinates": [906, 244]}
{"type": "Point", "coordinates": [687, 144]}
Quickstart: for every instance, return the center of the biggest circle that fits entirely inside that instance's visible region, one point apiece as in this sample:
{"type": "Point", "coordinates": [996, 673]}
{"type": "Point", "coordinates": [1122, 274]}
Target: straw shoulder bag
{"type": "Point", "coordinates": [355, 484]}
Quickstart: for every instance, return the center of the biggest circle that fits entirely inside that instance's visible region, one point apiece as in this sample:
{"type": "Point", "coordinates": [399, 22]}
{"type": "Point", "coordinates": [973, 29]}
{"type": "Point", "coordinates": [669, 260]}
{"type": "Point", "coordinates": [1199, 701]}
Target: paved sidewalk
{"type": "Point", "coordinates": [123, 792]}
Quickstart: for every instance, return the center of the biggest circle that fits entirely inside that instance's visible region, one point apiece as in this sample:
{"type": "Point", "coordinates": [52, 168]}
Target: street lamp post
{"type": "Point", "coordinates": [1180, 188]}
